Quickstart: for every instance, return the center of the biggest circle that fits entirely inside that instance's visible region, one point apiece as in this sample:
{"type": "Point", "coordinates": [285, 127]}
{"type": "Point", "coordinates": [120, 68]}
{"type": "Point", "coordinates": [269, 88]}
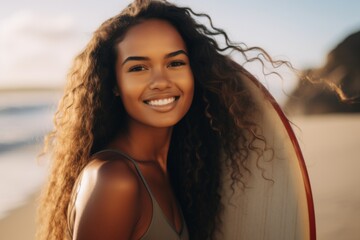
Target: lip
{"type": "Point", "coordinates": [162, 108]}
{"type": "Point", "coordinates": [154, 95]}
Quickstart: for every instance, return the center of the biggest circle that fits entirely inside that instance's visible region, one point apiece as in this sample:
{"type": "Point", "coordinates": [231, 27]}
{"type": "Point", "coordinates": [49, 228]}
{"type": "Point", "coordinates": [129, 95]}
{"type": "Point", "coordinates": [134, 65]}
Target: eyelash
{"type": "Point", "coordinates": [136, 68]}
{"type": "Point", "coordinates": [174, 64]}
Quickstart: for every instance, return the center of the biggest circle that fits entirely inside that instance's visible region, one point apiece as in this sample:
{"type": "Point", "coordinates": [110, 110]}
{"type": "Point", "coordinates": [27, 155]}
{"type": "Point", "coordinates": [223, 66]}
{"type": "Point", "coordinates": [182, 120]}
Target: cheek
{"type": "Point", "coordinates": [129, 93]}
{"type": "Point", "coordinates": [188, 88]}
{"type": "Point", "coordinates": [191, 91]}
{"type": "Point", "coordinates": [189, 85]}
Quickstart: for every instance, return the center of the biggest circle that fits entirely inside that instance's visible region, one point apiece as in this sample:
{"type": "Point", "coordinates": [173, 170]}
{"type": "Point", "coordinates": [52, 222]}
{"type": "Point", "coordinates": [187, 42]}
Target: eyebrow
{"type": "Point", "coordinates": [141, 58]}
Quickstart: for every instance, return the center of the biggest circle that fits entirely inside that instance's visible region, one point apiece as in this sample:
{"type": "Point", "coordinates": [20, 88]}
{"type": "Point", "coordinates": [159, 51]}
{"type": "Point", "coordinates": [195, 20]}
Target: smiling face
{"type": "Point", "coordinates": [154, 77]}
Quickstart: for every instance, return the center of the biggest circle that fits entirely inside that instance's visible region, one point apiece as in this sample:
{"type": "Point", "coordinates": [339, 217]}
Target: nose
{"type": "Point", "coordinates": [160, 81]}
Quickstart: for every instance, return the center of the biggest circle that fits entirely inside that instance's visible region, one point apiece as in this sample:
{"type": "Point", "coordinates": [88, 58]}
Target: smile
{"type": "Point", "coordinates": [161, 102]}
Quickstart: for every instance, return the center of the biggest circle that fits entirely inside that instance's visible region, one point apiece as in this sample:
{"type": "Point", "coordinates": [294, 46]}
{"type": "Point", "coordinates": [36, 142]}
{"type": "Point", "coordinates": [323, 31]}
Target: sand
{"type": "Point", "coordinates": [331, 147]}
{"type": "Point", "coordinates": [20, 223]}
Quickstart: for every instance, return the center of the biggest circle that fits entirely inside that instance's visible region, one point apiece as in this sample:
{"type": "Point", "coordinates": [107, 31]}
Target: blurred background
{"type": "Point", "coordinates": [39, 39]}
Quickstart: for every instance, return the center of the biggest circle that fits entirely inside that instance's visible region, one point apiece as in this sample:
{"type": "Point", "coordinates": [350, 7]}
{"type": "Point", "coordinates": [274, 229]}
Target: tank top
{"type": "Point", "coordinates": [159, 227]}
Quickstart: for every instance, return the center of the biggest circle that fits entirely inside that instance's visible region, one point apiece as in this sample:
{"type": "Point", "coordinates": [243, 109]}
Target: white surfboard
{"type": "Point", "coordinates": [281, 208]}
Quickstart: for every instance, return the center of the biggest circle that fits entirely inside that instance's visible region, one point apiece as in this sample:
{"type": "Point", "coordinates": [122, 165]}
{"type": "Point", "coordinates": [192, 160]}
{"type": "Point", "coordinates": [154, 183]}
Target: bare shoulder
{"type": "Point", "coordinates": [106, 203]}
{"type": "Point", "coordinates": [111, 173]}
{"type": "Point", "coordinates": [111, 170]}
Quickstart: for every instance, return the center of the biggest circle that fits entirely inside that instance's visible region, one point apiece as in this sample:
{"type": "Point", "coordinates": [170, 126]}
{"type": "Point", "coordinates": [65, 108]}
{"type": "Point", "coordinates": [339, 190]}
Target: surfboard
{"type": "Point", "coordinates": [277, 203]}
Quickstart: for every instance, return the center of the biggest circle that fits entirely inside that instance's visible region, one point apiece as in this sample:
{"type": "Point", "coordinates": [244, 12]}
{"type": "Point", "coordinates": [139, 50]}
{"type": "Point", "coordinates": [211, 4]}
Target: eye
{"type": "Point", "coordinates": [137, 68]}
{"type": "Point", "coordinates": [176, 64]}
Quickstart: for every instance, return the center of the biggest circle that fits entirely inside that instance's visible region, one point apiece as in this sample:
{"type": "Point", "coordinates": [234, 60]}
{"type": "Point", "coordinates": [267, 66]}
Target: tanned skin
{"type": "Point", "coordinates": [156, 86]}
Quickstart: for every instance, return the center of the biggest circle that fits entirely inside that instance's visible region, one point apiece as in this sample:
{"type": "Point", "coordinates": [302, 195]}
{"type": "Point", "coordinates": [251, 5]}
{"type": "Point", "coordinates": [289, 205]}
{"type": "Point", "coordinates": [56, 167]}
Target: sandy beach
{"type": "Point", "coordinates": [331, 147]}
{"type": "Point", "coordinates": [20, 223]}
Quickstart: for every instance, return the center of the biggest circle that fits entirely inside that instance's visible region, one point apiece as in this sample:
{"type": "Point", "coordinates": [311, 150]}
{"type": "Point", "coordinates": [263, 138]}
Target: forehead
{"type": "Point", "coordinates": [151, 36]}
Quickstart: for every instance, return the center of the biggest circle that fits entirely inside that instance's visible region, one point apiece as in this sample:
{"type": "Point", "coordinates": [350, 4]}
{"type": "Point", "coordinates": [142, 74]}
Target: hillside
{"type": "Point", "coordinates": [343, 69]}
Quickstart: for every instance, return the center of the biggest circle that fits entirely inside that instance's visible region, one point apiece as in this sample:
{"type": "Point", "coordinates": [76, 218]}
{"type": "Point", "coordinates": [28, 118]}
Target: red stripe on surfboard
{"type": "Point", "coordinates": [285, 121]}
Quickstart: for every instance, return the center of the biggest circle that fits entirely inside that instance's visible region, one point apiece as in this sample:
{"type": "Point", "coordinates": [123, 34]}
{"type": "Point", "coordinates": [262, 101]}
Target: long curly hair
{"type": "Point", "coordinates": [218, 129]}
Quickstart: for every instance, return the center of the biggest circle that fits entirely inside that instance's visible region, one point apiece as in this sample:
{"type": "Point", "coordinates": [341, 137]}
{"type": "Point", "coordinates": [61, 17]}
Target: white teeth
{"type": "Point", "coordinates": [161, 102]}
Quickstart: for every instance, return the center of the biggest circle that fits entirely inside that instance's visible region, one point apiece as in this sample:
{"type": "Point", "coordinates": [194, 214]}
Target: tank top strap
{"type": "Point", "coordinates": [135, 164]}
{"type": "Point", "coordinates": [160, 227]}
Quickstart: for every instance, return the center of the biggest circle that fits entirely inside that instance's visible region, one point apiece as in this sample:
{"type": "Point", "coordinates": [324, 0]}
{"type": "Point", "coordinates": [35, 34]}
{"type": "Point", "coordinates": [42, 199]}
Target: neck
{"type": "Point", "coordinates": [145, 143]}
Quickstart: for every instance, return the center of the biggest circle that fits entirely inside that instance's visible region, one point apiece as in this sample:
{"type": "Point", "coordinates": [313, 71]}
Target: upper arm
{"type": "Point", "coordinates": [106, 205]}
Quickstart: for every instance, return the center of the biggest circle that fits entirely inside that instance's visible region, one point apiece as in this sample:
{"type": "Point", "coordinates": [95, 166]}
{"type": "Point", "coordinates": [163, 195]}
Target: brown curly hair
{"type": "Point", "coordinates": [218, 128]}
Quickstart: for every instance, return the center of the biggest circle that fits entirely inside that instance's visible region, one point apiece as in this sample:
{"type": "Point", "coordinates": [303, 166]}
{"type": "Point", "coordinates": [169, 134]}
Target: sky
{"type": "Point", "coordinates": [39, 38]}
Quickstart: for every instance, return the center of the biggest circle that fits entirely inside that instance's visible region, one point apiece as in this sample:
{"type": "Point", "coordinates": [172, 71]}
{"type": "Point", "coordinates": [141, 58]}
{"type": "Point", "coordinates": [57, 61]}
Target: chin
{"type": "Point", "coordinates": [164, 124]}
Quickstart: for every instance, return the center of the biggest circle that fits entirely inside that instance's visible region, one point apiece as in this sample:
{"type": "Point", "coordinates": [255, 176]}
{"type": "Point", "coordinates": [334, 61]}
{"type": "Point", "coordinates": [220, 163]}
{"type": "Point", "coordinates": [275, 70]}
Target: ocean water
{"type": "Point", "coordinates": [25, 117]}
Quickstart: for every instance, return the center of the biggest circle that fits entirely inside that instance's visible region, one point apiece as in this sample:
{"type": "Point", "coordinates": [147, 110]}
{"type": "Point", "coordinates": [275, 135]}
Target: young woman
{"type": "Point", "coordinates": [152, 110]}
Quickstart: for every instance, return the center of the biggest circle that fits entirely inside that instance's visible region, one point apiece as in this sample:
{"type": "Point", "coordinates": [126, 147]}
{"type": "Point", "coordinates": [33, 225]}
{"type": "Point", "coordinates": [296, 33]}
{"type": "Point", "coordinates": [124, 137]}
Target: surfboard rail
{"type": "Point", "coordinates": [301, 161]}
{"type": "Point", "coordinates": [277, 203]}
